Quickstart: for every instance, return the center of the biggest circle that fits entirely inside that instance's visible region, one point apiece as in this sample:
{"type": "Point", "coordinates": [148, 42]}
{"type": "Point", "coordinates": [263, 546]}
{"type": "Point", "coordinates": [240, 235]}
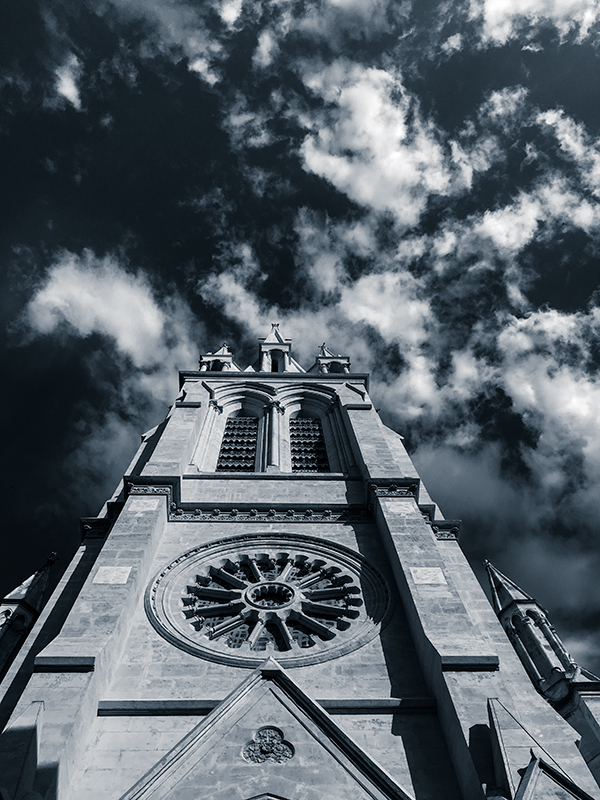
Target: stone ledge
{"type": "Point", "coordinates": [153, 708]}
{"type": "Point", "coordinates": [270, 476]}
{"type": "Point", "coordinates": [470, 663]}
{"type": "Point", "coordinates": [64, 663]}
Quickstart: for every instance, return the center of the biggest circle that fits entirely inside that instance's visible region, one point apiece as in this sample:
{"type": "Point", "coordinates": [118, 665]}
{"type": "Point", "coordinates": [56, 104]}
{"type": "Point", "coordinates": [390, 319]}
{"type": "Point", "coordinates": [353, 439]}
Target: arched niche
{"type": "Point", "coordinates": [277, 360]}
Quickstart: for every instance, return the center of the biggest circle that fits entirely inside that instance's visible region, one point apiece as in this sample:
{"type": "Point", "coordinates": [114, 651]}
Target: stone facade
{"type": "Point", "coordinates": [288, 618]}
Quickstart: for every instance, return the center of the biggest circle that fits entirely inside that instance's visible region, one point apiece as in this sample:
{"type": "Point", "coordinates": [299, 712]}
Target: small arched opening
{"type": "Point", "coordinates": [277, 361]}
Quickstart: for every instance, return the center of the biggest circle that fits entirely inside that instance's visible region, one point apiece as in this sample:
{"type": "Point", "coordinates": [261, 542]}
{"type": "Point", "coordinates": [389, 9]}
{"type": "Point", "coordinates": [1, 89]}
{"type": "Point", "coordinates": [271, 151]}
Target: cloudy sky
{"type": "Point", "coordinates": [417, 184]}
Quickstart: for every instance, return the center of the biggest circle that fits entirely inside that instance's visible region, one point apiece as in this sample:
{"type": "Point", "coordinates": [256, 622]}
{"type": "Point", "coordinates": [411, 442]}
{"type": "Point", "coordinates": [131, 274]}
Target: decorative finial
{"type": "Point", "coordinates": [274, 326]}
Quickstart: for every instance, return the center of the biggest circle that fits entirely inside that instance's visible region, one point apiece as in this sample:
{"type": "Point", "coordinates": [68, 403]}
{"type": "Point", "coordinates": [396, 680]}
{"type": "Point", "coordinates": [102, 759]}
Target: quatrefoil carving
{"type": "Point", "coordinates": [268, 745]}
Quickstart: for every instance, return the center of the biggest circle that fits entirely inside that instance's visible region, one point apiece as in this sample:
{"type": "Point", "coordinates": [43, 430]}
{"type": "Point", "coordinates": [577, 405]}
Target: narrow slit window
{"type": "Point", "coordinates": [238, 448]}
{"type": "Point", "coordinates": [308, 445]}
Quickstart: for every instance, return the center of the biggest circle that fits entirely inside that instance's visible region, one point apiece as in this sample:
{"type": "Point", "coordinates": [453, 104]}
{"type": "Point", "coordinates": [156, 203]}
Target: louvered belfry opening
{"type": "Point", "coordinates": [308, 445]}
{"type": "Point", "coordinates": [238, 448]}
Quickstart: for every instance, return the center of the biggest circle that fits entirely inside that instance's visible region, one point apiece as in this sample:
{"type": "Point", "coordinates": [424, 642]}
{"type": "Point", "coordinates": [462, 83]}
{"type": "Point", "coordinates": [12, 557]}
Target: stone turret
{"type": "Point", "coordinates": [573, 691]}
{"type": "Point", "coordinates": [328, 361]}
{"type": "Point", "coordinates": [219, 361]}
{"type": "Point", "coordinates": [275, 353]}
{"type": "Point", "coordinates": [536, 642]}
{"type": "Point", "coordinates": [19, 611]}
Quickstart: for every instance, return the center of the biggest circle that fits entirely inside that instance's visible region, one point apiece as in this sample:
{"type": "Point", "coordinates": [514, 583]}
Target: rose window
{"type": "Point", "coordinates": [239, 601]}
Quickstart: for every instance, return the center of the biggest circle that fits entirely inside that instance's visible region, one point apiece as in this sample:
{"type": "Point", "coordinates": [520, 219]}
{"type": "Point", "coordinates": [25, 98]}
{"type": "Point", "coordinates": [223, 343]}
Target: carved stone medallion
{"type": "Point", "coordinates": [268, 745]}
{"type": "Point", "coordinates": [240, 599]}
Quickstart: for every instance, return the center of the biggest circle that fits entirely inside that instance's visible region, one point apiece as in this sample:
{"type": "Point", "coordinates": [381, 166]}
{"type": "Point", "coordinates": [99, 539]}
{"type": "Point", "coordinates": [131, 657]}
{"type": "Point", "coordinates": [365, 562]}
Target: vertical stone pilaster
{"type": "Point", "coordinates": [273, 450]}
{"type": "Point", "coordinates": [71, 673]}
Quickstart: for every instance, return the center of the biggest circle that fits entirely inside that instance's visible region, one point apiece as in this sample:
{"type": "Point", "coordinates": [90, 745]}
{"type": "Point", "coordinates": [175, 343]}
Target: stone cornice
{"type": "Point", "coordinates": [276, 377]}
{"type": "Point", "coordinates": [400, 487]}
{"type": "Point", "coordinates": [446, 529]}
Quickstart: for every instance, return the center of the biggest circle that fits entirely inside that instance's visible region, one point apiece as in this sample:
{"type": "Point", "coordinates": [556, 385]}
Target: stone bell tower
{"type": "Point", "coordinates": [271, 607]}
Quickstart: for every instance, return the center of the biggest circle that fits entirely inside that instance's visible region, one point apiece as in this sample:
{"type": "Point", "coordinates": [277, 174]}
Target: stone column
{"type": "Point", "coordinates": [273, 460]}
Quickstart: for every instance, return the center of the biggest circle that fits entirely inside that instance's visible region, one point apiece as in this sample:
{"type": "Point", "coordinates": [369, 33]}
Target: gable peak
{"type": "Point", "coordinates": [504, 591]}
{"type": "Point", "coordinates": [274, 335]}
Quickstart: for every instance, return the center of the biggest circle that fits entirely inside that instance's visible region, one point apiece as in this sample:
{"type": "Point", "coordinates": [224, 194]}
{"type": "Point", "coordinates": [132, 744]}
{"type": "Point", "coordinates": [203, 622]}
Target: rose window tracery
{"type": "Point", "coordinates": [279, 599]}
{"type": "Point", "coordinates": [237, 601]}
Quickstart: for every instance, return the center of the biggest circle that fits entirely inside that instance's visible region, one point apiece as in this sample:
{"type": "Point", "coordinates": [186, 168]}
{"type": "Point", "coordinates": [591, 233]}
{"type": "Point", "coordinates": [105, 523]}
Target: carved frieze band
{"type": "Point", "coordinates": [392, 490]}
{"type": "Point", "coordinates": [269, 515]}
{"type": "Point", "coordinates": [149, 489]}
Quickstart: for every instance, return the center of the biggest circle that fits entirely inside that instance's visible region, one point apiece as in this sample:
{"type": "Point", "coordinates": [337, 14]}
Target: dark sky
{"type": "Point", "coordinates": [416, 185]}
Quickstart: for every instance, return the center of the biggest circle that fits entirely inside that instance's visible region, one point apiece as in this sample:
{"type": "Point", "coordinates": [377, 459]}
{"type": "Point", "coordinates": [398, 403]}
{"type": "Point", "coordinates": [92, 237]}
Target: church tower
{"type": "Point", "coordinates": [271, 607]}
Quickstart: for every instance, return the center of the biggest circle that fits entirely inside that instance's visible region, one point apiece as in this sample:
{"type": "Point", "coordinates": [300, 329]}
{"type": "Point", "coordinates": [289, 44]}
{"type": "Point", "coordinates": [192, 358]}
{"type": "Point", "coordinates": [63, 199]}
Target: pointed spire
{"type": "Point", "coordinates": [33, 590]}
{"type": "Point", "coordinates": [504, 591]}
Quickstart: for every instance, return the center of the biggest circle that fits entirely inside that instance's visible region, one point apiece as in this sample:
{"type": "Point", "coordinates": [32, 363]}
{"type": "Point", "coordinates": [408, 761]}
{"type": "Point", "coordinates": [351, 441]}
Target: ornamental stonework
{"type": "Point", "coordinates": [268, 745]}
{"type": "Point", "coordinates": [241, 599]}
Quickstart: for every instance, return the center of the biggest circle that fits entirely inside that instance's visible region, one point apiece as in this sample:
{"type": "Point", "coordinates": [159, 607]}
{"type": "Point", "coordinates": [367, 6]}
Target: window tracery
{"type": "Point", "coordinates": [307, 445]}
{"type": "Point", "coordinates": [236, 600]}
{"type": "Point", "coordinates": [239, 445]}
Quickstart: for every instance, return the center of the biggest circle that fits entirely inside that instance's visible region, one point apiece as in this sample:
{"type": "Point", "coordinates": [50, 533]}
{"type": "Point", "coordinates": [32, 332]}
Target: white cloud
{"type": "Point", "coordinates": [67, 77]}
{"type": "Point", "coordinates": [84, 295]}
{"type": "Point", "coordinates": [247, 128]}
{"type": "Point", "coordinates": [546, 372]}
{"type": "Point", "coordinates": [230, 10]}
{"type": "Point", "coordinates": [371, 142]}
{"type": "Point", "coordinates": [335, 20]}
{"type": "Point", "coordinates": [505, 107]}
{"type": "Point", "coordinates": [392, 303]}
{"type": "Point", "coordinates": [182, 28]}
{"type": "Point", "coordinates": [502, 20]}
{"type": "Point", "coordinates": [576, 144]}
{"type": "Point", "coordinates": [266, 50]}
{"type": "Point", "coordinates": [323, 247]}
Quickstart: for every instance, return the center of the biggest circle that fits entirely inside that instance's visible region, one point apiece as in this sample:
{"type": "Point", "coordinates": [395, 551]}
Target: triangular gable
{"type": "Point", "coordinates": [542, 782]}
{"type": "Point", "coordinates": [513, 745]}
{"type": "Point", "coordinates": [263, 742]}
{"type": "Point", "coordinates": [274, 336]}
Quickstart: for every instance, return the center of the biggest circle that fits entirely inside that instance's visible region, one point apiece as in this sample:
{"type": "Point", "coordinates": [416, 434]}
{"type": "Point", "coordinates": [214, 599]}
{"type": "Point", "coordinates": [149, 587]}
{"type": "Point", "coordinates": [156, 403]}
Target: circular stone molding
{"type": "Point", "coordinates": [238, 600]}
